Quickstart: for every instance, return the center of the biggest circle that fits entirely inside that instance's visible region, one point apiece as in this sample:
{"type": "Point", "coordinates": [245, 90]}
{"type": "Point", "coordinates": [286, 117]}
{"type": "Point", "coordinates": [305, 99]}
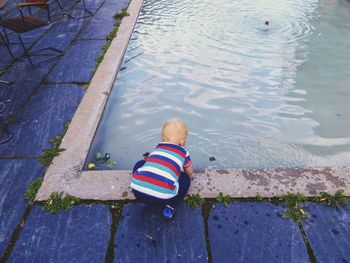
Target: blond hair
{"type": "Point", "coordinates": [174, 130]}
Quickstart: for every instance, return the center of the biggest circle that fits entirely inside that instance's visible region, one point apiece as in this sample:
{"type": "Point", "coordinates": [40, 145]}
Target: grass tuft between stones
{"type": "Point", "coordinates": [336, 200]}
{"type": "Point", "coordinates": [58, 202]}
{"type": "Point", "coordinates": [33, 189]}
{"type": "Point", "coordinates": [224, 199]}
{"type": "Point", "coordinates": [118, 16]}
{"type": "Point", "coordinates": [194, 200]}
{"type": "Point", "coordinates": [50, 153]}
{"type": "Point", "coordinates": [259, 198]}
{"type": "Point", "coordinates": [293, 204]}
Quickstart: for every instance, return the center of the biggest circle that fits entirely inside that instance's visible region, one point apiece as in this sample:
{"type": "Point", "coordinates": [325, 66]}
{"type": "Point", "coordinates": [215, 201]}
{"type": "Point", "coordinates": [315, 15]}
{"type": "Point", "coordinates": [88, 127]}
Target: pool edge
{"type": "Point", "coordinates": [66, 175]}
{"type": "Point", "coordinates": [76, 143]}
{"type": "Point", "coordinates": [239, 183]}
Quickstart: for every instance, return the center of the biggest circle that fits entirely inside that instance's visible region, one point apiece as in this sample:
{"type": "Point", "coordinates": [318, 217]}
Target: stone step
{"type": "Point", "coordinates": [144, 235]}
{"type": "Point", "coordinates": [80, 235]}
{"type": "Point", "coordinates": [328, 231]}
{"type": "Point", "coordinates": [254, 232]}
{"type": "Point", "coordinates": [15, 176]}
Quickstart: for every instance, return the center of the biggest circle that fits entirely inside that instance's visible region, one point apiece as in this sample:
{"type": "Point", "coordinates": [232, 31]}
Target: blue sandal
{"type": "Point", "coordinates": [168, 212]}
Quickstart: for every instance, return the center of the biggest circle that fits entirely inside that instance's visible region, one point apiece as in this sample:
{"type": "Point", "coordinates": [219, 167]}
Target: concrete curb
{"type": "Point", "coordinates": [115, 185]}
{"type": "Point", "coordinates": [68, 165]}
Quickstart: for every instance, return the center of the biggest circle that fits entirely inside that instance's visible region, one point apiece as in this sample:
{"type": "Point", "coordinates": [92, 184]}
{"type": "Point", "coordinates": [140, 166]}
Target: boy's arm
{"type": "Point", "coordinates": [188, 170]}
{"type": "Point", "coordinates": [188, 164]}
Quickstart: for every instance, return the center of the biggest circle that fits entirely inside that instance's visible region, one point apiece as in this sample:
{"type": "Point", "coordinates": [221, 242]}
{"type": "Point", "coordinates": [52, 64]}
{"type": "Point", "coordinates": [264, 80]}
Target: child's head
{"type": "Point", "coordinates": [175, 131]}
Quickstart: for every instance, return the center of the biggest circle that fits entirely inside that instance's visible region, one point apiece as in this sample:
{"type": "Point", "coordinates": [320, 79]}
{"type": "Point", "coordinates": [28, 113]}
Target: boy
{"type": "Point", "coordinates": [163, 177]}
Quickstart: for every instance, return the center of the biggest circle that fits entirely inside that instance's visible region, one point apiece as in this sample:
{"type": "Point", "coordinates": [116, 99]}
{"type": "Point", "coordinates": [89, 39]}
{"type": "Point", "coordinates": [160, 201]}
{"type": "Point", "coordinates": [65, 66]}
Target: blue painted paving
{"type": "Point", "coordinates": [42, 100]}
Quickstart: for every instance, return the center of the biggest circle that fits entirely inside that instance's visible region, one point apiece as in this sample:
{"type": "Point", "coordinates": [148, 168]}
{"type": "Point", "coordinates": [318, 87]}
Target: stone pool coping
{"type": "Point", "coordinates": [66, 175]}
{"type": "Point", "coordinates": [239, 183]}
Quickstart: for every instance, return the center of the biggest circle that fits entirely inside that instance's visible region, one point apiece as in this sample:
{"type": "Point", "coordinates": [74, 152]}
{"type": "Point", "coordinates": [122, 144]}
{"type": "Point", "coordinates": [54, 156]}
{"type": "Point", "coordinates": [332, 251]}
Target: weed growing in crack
{"type": "Point", "coordinates": [194, 200]}
{"type": "Point", "coordinates": [259, 198]}
{"type": "Point", "coordinates": [336, 200]}
{"type": "Point", "coordinates": [225, 199]}
{"type": "Point", "coordinates": [50, 153]}
{"type": "Point", "coordinates": [293, 204]}
{"type": "Point", "coordinates": [58, 202]}
{"type": "Point", "coordinates": [33, 189]}
{"type": "Point", "coordinates": [121, 14]}
{"type": "Point", "coordinates": [118, 16]}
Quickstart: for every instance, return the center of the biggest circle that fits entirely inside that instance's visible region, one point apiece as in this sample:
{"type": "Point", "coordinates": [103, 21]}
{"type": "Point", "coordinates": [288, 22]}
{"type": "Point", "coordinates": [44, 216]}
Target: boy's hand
{"type": "Point", "coordinates": [189, 170]}
{"type": "Point", "coordinates": [145, 155]}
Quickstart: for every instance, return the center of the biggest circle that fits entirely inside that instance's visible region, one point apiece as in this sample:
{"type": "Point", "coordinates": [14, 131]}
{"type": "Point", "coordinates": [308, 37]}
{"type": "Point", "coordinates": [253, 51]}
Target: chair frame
{"type": "Point", "coordinates": [39, 52]}
{"type": "Point", "coordinates": [68, 13]}
{"type": "Point", "coordinates": [3, 128]}
{"type": "Point", "coordinates": [6, 44]}
{"type": "Point", "coordinates": [6, 82]}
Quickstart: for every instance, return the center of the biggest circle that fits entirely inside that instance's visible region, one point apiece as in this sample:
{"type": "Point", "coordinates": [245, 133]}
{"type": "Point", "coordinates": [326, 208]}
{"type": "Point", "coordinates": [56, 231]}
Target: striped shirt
{"type": "Point", "coordinates": [159, 176]}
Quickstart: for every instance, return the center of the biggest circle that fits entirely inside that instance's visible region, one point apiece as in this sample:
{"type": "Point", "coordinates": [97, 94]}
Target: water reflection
{"type": "Point", "coordinates": [252, 97]}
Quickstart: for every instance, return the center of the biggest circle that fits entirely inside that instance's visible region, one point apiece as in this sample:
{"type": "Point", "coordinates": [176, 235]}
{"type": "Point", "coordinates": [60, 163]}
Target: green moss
{"type": "Point", "coordinates": [336, 200]}
{"type": "Point", "coordinates": [293, 200]}
{"type": "Point", "coordinates": [194, 200]}
{"type": "Point", "coordinates": [33, 189]}
{"type": "Point", "coordinates": [110, 36]}
{"type": "Point", "coordinates": [259, 198]}
{"type": "Point", "coordinates": [120, 15]}
{"type": "Point", "coordinates": [57, 202]}
{"type": "Point", "coordinates": [293, 204]}
{"type": "Point", "coordinates": [50, 153]}
{"type": "Point", "coordinates": [225, 199]}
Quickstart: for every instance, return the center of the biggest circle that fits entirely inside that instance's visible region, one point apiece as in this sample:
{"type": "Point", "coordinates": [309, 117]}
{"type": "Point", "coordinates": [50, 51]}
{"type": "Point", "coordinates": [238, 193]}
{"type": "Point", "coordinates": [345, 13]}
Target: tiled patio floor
{"type": "Point", "coordinates": [43, 99]}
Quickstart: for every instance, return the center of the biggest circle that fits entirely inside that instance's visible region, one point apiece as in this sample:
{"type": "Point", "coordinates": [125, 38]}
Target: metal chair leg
{"type": "Point", "coordinates": [6, 42]}
{"type": "Point", "coordinates": [3, 128]}
{"type": "Point", "coordinates": [67, 13]}
{"type": "Point", "coordinates": [10, 83]}
{"type": "Point", "coordinates": [39, 53]}
{"type": "Point", "coordinates": [6, 132]}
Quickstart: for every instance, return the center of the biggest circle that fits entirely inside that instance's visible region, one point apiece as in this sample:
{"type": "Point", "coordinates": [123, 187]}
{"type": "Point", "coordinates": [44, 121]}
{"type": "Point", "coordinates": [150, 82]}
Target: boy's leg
{"type": "Point", "coordinates": [184, 185]}
{"type": "Point", "coordinates": [138, 165]}
{"type": "Point", "coordinates": [149, 200]}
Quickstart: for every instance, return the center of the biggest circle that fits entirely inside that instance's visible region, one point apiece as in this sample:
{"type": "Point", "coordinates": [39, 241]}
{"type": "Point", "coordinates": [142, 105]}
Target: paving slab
{"type": "Point", "coordinates": [43, 118]}
{"type": "Point", "coordinates": [15, 176]}
{"type": "Point", "coordinates": [328, 231]}
{"type": "Point", "coordinates": [79, 235]}
{"type": "Point", "coordinates": [6, 58]}
{"type": "Point", "coordinates": [254, 232]}
{"type": "Point", "coordinates": [78, 63]}
{"type": "Point", "coordinates": [143, 235]}
{"type": "Point", "coordinates": [90, 4]}
{"type": "Point", "coordinates": [56, 39]}
{"type": "Point", "coordinates": [108, 10]}
{"type": "Point", "coordinates": [94, 30]}
{"type": "Point", "coordinates": [103, 16]}
{"type": "Point", "coordinates": [29, 37]}
{"type": "Point", "coordinates": [68, 24]}
{"type": "Point", "coordinates": [121, 3]}
{"type": "Point", "coordinates": [26, 79]}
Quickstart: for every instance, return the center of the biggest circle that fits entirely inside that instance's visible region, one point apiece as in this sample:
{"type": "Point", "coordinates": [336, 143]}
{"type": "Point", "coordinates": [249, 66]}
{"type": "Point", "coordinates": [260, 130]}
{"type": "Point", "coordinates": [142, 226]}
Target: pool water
{"type": "Point", "coordinates": [253, 96]}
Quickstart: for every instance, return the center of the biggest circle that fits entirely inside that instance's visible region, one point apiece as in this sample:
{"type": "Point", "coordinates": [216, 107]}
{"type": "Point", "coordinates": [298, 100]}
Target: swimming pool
{"type": "Point", "coordinates": [252, 96]}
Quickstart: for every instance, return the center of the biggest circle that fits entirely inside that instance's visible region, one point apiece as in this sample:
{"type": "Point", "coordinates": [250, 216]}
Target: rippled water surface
{"type": "Point", "coordinates": [252, 96]}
